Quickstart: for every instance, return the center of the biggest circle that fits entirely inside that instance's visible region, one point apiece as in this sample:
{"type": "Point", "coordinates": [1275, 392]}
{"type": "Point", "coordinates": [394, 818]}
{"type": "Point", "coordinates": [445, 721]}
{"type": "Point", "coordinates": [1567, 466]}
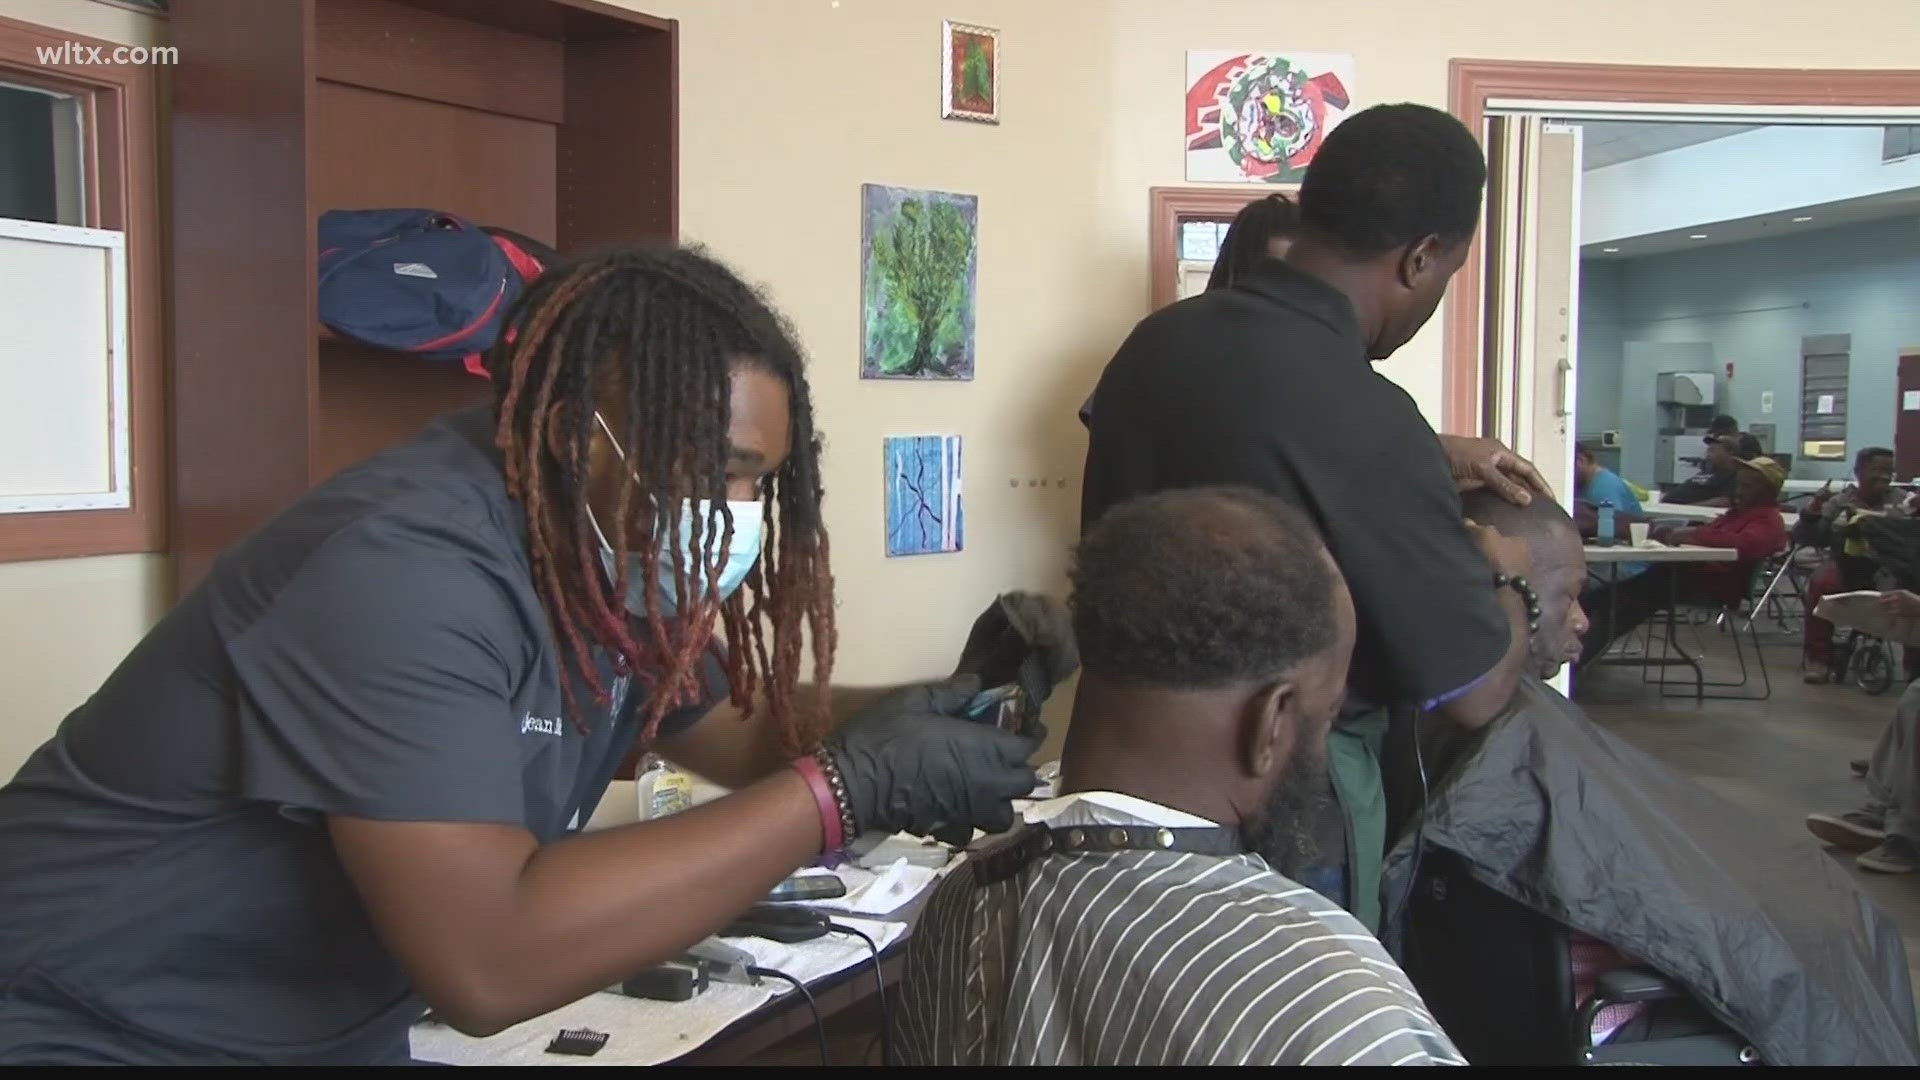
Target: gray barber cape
{"type": "Point", "coordinates": [1762, 928]}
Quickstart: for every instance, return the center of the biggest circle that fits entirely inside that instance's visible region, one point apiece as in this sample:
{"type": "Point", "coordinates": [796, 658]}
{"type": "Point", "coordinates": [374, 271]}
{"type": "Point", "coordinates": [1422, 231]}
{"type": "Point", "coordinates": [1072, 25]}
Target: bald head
{"type": "Point", "coordinates": [1214, 633]}
{"type": "Point", "coordinates": [1559, 570]}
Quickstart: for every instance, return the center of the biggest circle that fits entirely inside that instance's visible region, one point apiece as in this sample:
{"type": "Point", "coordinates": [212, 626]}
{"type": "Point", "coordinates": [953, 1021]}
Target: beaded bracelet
{"type": "Point", "coordinates": [1527, 596]}
{"type": "Point", "coordinates": [837, 824]}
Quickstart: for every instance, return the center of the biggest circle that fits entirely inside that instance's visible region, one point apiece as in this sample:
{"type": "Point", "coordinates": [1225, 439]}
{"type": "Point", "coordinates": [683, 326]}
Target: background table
{"type": "Point", "coordinates": [1665, 558]}
{"type": "Point", "coordinates": [1698, 514]}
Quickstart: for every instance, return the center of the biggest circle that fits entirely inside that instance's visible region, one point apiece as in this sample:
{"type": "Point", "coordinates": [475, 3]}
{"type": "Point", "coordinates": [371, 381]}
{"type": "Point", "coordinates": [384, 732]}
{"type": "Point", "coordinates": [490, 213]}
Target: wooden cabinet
{"type": "Point", "coordinates": [555, 118]}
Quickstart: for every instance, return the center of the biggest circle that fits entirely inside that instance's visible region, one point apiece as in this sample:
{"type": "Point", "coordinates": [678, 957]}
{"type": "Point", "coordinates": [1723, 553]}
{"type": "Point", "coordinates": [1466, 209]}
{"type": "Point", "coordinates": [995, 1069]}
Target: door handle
{"type": "Point", "coordinates": [1561, 405]}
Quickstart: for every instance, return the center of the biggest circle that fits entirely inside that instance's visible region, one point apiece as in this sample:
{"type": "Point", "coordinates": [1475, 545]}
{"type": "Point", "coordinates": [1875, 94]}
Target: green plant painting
{"type": "Point", "coordinates": [919, 256]}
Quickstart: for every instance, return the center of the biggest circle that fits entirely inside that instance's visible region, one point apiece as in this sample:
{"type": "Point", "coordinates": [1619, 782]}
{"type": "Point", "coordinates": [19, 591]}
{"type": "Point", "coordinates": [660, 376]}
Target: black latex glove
{"type": "Point", "coordinates": [912, 765]}
{"type": "Point", "coordinates": [1023, 638]}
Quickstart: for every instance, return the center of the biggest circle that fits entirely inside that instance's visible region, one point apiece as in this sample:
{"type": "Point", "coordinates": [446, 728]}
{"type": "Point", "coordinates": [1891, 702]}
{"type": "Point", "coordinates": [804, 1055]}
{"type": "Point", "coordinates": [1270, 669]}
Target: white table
{"type": "Point", "coordinates": [1686, 512]}
{"type": "Point", "coordinates": [1659, 553]}
{"type": "Point", "coordinates": [1807, 487]}
{"type": "Point", "coordinates": [1617, 555]}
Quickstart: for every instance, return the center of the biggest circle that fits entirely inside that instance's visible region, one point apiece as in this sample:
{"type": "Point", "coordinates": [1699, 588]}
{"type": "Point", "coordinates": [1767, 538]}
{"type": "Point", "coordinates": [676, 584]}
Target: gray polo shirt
{"type": "Point", "coordinates": [170, 894]}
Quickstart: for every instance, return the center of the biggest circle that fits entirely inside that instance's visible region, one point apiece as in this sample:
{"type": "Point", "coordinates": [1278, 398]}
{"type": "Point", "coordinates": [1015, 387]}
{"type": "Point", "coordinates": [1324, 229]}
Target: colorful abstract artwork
{"type": "Point", "coordinates": [970, 75]}
{"type": "Point", "coordinates": [919, 253]}
{"type": "Point", "coordinates": [924, 514]}
{"type": "Point", "coordinates": [1259, 117]}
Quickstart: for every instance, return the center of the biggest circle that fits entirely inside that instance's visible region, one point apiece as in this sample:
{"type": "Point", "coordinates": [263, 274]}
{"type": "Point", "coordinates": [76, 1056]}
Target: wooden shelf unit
{"type": "Point", "coordinates": [555, 118]}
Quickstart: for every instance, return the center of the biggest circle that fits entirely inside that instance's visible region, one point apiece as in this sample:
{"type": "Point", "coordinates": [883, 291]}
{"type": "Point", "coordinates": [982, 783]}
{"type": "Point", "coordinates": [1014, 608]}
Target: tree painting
{"type": "Point", "coordinates": [971, 74]}
{"type": "Point", "coordinates": [919, 262]}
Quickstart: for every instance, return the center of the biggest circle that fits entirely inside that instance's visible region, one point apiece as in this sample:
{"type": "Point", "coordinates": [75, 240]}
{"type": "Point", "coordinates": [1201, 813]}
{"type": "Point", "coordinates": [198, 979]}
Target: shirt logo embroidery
{"type": "Point", "coordinates": [540, 725]}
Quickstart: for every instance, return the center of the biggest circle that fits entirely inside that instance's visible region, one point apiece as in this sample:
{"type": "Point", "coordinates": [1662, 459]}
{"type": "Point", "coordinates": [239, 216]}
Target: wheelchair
{"type": "Point", "coordinates": [1500, 979]}
{"type": "Point", "coordinates": [1864, 660]}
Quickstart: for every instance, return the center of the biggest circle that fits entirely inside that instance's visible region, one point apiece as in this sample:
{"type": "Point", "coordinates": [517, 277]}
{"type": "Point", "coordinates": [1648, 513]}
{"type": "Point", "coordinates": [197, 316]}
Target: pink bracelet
{"type": "Point", "coordinates": [824, 801]}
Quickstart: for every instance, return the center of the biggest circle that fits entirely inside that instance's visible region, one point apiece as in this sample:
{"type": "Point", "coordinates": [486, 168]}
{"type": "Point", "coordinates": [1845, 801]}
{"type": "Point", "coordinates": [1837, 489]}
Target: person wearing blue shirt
{"type": "Point", "coordinates": [1617, 603]}
{"type": "Point", "coordinates": [1596, 484]}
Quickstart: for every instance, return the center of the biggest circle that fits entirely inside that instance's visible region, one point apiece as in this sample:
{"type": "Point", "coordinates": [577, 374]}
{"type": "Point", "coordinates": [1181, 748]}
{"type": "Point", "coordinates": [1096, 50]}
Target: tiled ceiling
{"type": "Point", "coordinates": [1610, 142]}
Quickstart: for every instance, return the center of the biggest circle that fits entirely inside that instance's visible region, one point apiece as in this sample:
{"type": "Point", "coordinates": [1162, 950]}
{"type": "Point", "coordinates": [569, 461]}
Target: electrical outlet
{"type": "Point", "coordinates": [1766, 402]}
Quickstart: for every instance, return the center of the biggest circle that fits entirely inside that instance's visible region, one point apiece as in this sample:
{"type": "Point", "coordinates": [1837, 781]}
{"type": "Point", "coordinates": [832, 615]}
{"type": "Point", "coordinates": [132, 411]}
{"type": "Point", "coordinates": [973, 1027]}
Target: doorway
{"type": "Point", "coordinates": [1513, 321]}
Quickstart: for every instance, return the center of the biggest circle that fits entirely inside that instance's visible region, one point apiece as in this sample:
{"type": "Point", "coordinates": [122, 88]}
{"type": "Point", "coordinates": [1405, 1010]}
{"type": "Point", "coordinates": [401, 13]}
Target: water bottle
{"type": "Point", "coordinates": [1604, 534]}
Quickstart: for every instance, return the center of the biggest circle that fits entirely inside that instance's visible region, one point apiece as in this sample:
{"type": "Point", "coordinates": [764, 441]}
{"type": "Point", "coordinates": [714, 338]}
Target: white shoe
{"type": "Point", "coordinates": [1855, 830]}
{"type": "Point", "coordinates": [1895, 855]}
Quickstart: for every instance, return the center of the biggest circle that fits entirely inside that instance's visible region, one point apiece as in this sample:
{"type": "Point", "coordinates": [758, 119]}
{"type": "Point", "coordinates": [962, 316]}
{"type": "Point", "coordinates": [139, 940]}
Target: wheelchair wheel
{"type": "Point", "coordinates": [1872, 670]}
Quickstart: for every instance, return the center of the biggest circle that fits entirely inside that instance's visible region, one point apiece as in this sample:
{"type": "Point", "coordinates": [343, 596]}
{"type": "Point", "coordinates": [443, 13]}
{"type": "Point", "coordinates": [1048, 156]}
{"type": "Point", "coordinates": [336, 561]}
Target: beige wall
{"type": "Point", "coordinates": [789, 105]}
{"type": "Point", "coordinates": [65, 624]}
{"type": "Point", "coordinates": [1090, 100]}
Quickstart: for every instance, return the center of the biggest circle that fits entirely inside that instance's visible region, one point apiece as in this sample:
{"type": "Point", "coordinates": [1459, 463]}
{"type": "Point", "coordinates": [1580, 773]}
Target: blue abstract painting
{"type": "Point", "coordinates": [924, 515]}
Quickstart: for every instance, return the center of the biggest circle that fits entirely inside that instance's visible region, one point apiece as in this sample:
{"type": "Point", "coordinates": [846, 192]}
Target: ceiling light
{"type": "Point", "coordinates": [1697, 236]}
{"type": "Point", "coordinates": [1803, 217]}
{"type": "Point", "coordinates": [1610, 251]}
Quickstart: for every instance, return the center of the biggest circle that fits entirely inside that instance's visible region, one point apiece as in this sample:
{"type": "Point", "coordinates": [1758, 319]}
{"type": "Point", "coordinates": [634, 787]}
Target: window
{"type": "Point", "coordinates": [1186, 227]}
{"type": "Point", "coordinates": [42, 156]}
{"type": "Point", "coordinates": [1899, 142]}
{"type": "Point", "coordinates": [1200, 242]}
{"type": "Point", "coordinates": [1825, 363]}
{"type": "Point", "coordinates": [81, 462]}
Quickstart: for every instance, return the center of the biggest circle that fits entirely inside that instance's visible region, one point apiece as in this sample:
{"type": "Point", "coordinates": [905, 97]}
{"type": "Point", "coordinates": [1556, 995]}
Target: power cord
{"type": "Point", "coordinates": [880, 988]}
{"type": "Point", "coordinates": [819, 1026]}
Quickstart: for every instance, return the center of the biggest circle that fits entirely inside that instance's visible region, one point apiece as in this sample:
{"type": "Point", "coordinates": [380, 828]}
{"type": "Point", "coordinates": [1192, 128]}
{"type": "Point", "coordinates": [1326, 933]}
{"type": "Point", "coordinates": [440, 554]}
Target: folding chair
{"type": "Point", "coordinates": [1726, 615]}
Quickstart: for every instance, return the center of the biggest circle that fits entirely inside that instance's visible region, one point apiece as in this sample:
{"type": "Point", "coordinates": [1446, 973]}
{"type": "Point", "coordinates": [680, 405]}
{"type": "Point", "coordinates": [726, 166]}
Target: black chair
{"type": "Point", "coordinates": [1498, 977]}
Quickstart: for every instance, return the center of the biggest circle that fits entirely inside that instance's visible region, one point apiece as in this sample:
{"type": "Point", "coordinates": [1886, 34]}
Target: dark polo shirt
{"type": "Point", "coordinates": [1267, 385]}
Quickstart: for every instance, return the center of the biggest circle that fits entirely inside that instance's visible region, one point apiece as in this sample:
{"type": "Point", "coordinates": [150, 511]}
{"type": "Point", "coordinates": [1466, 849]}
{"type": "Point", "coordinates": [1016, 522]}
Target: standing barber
{"type": "Point", "coordinates": [1270, 383]}
{"type": "Point", "coordinates": [345, 773]}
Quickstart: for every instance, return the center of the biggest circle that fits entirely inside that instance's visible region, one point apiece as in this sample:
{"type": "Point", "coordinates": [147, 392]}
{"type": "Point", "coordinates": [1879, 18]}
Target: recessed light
{"type": "Point", "coordinates": [1610, 251]}
{"type": "Point", "coordinates": [1803, 217]}
{"type": "Point", "coordinates": [1697, 236]}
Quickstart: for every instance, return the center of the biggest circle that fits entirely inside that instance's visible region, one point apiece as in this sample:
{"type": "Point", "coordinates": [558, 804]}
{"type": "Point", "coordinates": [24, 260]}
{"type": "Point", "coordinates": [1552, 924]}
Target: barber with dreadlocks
{"type": "Point", "coordinates": [345, 773]}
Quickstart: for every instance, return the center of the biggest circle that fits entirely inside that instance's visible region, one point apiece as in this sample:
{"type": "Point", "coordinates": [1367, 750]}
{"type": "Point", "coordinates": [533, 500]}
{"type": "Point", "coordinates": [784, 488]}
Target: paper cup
{"type": "Point", "coordinates": [1638, 532]}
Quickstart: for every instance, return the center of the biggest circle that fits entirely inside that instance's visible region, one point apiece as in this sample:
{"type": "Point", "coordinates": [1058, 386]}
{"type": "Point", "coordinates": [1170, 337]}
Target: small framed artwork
{"type": "Point", "coordinates": [924, 512]}
{"type": "Point", "coordinates": [970, 75]}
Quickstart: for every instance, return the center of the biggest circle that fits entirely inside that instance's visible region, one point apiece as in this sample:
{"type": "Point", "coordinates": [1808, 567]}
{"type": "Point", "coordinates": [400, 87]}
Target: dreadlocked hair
{"type": "Point", "coordinates": [1247, 242]}
{"type": "Point", "coordinates": [651, 337]}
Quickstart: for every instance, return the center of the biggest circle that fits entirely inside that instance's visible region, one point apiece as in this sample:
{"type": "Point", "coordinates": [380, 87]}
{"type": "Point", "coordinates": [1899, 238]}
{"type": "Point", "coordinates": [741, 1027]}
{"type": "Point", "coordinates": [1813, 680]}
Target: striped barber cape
{"type": "Point", "coordinates": [1148, 958]}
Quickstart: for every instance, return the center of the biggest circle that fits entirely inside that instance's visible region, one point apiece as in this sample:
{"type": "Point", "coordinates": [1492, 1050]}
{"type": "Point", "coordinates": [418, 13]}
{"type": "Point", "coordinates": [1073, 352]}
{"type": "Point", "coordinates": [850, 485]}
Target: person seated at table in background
{"type": "Point", "coordinates": [1128, 922]}
{"type": "Point", "coordinates": [1594, 483]}
{"type": "Point", "coordinates": [1623, 595]}
{"type": "Point", "coordinates": [1886, 830]}
{"type": "Point", "coordinates": [1714, 484]}
{"type": "Point", "coordinates": [1752, 526]}
{"type": "Point", "coordinates": [1827, 524]}
{"type": "Point", "coordinates": [1263, 229]}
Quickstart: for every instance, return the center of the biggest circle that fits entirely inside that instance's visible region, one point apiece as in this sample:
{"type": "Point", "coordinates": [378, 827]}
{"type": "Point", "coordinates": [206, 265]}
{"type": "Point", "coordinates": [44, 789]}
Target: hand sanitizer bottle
{"type": "Point", "coordinates": [660, 790]}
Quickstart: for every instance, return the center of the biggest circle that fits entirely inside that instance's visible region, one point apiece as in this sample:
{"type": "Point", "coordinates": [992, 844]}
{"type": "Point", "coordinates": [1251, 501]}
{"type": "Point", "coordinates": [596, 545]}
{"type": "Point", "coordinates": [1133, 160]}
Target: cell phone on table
{"type": "Point", "coordinates": [1005, 707]}
{"type": "Point", "coordinates": [808, 887]}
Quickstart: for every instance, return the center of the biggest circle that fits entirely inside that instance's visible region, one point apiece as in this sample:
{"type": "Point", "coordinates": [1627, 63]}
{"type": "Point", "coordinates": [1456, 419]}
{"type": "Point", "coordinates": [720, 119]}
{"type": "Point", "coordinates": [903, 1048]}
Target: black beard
{"type": "Point", "coordinates": [1282, 833]}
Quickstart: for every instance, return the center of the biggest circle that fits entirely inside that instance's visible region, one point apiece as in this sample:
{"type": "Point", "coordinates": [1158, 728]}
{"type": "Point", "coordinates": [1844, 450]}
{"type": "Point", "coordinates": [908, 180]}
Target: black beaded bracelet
{"type": "Point", "coordinates": [849, 828]}
{"type": "Point", "coordinates": [1527, 596]}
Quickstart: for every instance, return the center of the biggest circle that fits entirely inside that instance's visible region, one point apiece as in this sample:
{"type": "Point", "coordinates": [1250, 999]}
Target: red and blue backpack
{"type": "Point", "coordinates": [422, 282]}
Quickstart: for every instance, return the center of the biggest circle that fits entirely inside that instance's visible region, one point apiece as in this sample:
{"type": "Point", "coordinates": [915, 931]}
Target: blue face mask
{"type": "Point", "coordinates": [742, 553]}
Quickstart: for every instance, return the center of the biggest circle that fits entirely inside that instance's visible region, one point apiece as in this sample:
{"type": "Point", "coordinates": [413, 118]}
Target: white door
{"type": "Point", "coordinates": [1533, 266]}
{"type": "Point", "coordinates": [1533, 287]}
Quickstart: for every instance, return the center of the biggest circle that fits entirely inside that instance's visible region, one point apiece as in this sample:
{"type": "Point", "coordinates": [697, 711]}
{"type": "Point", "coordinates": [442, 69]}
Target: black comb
{"type": "Point", "coordinates": [579, 1042]}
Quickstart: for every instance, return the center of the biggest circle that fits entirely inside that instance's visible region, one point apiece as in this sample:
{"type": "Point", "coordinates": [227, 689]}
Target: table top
{"type": "Point", "coordinates": [1703, 513]}
{"type": "Point", "coordinates": [1686, 553]}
